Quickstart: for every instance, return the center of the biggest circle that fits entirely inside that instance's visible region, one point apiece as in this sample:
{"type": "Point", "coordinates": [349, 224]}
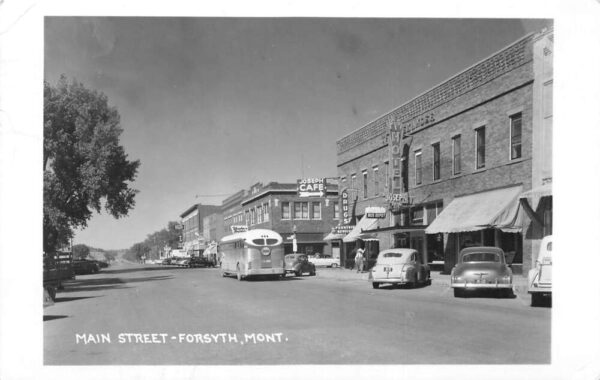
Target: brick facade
{"type": "Point", "coordinates": [309, 232]}
{"type": "Point", "coordinates": [485, 95]}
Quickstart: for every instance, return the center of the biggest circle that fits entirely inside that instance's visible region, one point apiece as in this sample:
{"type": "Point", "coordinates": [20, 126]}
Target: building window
{"type": "Point", "coordinates": [259, 214]}
{"type": "Point", "coordinates": [316, 210]}
{"type": "Point", "coordinates": [252, 216]}
{"type": "Point", "coordinates": [247, 217]}
{"type": "Point", "coordinates": [456, 155]}
{"type": "Point", "coordinates": [387, 174]}
{"type": "Point", "coordinates": [265, 212]}
{"type": "Point", "coordinates": [300, 210]}
{"type": "Point", "coordinates": [480, 143]}
{"type": "Point", "coordinates": [375, 180]}
{"type": "Point", "coordinates": [285, 210]}
{"type": "Point", "coordinates": [416, 215]}
{"type": "Point", "coordinates": [436, 161]}
{"type": "Point", "coordinates": [365, 184]}
{"type": "Point", "coordinates": [515, 136]}
{"type": "Point", "coordinates": [352, 180]}
{"type": "Point", "coordinates": [418, 168]}
{"type": "Point", "coordinates": [336, 210]}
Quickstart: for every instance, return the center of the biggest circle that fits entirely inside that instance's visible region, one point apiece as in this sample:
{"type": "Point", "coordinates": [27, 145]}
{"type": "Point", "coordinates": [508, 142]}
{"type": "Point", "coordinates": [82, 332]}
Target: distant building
{"type": "Point", "coordinates": [213, 227]}
{"type": "Point", "coordinates": [281, 208]}
{"type": "Point", "coordinates": [450, 166]}
{"type": "Point", "coordinates": [192, 220]}
{"type": "Point", "coordinates": [231, 208]}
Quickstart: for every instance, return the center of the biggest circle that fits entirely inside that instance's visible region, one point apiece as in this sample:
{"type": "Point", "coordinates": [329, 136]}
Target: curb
{"type": "Point", "coordinates": [437, 280]}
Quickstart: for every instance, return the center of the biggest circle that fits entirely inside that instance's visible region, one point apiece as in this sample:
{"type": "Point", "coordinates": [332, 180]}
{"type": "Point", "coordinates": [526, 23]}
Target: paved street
{"type": "Point", "coordinates": [144, 314]}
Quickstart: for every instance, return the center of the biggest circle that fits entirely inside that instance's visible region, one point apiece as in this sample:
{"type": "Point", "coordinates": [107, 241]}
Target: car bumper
{"type": "Point", "coordinates": [469, 285]}
{"type": "Point", "coordinates": [264, 271]}
{"type": "Point", "coordinates": [390, 280]}
{"type": "Point", "coordinates": [540, 289]}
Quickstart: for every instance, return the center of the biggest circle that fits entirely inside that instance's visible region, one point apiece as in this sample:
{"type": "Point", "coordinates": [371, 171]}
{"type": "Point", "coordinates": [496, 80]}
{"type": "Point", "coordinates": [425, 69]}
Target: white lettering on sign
{"type": "Point", "coordinates": [312, 187]}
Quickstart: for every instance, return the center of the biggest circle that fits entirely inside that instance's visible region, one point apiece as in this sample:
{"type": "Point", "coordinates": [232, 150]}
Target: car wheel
{"type": "Point", "coordinates": [536, 299]}
{"type": "Point", "coordinates": [298, 273]}
{"type": "Point", "coordinates": [238, 273]}
{"type": "Point", "coordinates": [375, 285]}
{"type": "Point", "coordinates": [459, 292]}
{"type": "Point", "coordinates": [334, 265]}
{"type": "Point", "coordinates": [312, 273]}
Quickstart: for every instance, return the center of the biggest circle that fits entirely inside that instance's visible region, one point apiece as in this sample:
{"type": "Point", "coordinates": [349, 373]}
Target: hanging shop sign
{"type": "Point", "coordinates": [312, 187]}
{"type": "Point", "coordinates": [375, 212]}
{"type": "Point", "coordinates": [344, 229]}
{"type": "Point", "coordinates": [345, 207]}
{"type": "Point", "coordinates": [396, 201]}
{"type": "Point", "coordinates": [238, 228]}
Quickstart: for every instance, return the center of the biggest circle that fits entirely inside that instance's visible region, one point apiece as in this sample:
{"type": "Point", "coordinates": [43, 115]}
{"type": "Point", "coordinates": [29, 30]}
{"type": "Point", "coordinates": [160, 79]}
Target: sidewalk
{"type": "Point", "coordinates": [437, 279]}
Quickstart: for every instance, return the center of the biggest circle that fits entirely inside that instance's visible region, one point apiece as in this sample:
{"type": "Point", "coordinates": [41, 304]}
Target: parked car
{"type": "Point", "coordinates": [540, 277]}
{"type": "Point", "coordinates": [101, 264]}
{"type": "Point", "coordinates": [85, 267]}
{"type": "Point", "coordinates": [481, 268]}
{"type": "Point", "coordinates": [200, 261]}
{"type": "Point", "coordinates": [324, 261]}
{"type": "Point", "coordinates": [399, 266]}
{"type": "Point", "coordinates": [183, 262]}
{"type": "Point", "coordinates": [298, 264]}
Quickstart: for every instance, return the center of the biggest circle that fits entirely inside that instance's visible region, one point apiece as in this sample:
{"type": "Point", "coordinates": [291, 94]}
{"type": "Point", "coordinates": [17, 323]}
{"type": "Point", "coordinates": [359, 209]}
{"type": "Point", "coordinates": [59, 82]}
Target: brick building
{"type": "Point", "coordinates": [450, 165]}
{"type": "Point", "coordinates": [278, 207]}
{"type": "Point", "coordinates": [192, 220]}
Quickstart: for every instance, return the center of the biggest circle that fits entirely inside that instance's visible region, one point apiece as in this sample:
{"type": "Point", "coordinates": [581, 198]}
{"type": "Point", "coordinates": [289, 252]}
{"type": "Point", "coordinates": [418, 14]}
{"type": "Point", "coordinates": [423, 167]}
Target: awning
{"type": "Point", "coordinates": [530, 200]}
{"type": "Point", "coordinates": [534, 195]}
{"type": "Point", "coordinates": [364, 224]}
{"type": "Point", "coordinates": [489, 209]}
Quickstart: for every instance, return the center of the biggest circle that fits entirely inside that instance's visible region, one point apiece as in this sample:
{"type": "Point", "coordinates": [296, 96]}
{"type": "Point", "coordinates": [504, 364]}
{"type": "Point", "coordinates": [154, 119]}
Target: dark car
{"type": "Point", "coordinates": [85, 267]}
{"type": "Point", "coordinates": [200, 261]}
{"type": "Point", "coordinates": [481, 268]}
{"type": "Point", "coordinates": [298, 264]}
{"type": "Point", "coordinates": [101, 264]}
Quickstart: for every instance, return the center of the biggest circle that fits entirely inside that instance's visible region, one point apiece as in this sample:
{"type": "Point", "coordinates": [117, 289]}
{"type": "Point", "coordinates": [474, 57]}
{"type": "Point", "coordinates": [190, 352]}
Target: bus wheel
{"type": "Point", "coordinates": [239, 273]}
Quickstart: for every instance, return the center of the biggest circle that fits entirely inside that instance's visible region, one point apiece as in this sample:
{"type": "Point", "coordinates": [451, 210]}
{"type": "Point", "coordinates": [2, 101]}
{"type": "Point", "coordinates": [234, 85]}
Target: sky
{"type": "Point", "coordinates": [211, 106]}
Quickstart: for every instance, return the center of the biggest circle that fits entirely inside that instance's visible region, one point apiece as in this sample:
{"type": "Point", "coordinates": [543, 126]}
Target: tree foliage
{"type": "Point", "coordinates": [155, 243]}
{"type": "Point", "coordinates": [85, 167]}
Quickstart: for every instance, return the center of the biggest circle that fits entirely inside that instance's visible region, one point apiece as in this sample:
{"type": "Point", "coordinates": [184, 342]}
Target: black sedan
{"type": "Point", "coordinates": [85, 267]}
{"type": "Point", "coordinates": [298, 264]}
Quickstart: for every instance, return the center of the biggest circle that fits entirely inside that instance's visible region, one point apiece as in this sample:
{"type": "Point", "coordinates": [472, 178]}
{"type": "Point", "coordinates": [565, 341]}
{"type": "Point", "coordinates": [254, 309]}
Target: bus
{"type": "Point", "coordinates": [252, 253]}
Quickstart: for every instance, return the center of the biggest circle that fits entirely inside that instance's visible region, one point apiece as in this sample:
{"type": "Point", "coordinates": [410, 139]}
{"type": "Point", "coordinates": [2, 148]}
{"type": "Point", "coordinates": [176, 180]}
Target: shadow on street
{"type": "Point", "coordinates": [67, 299]}
{"type": "Point", "coordinates": [139, 269]}
{"type": "Point", "coordinates": [106, 283]}
{"type": "Point", "coordinates": [52, 317]}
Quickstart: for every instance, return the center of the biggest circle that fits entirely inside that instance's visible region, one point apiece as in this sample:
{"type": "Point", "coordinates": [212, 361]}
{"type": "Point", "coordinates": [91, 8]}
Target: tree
{"type": "Point", "coordinates": [80, 251]}
{"type": "Point", "coordinates": [85, 167]}
{"type": "Point", "coordinates": [137, 251]}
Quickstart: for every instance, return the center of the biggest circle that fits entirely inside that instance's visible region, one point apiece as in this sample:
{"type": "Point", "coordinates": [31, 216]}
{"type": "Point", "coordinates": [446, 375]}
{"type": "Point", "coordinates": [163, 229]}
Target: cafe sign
{"type": "Point", "coordinates": [312, 187]}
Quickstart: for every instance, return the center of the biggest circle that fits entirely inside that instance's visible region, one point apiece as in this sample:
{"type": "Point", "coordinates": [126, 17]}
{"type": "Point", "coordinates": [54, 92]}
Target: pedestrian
{"type": "Point", "coordinates": [358, 259]}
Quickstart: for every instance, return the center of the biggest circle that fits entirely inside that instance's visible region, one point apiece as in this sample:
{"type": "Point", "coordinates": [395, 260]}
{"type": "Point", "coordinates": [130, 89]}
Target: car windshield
{"type": "Point", "coordinates": [481, 257]}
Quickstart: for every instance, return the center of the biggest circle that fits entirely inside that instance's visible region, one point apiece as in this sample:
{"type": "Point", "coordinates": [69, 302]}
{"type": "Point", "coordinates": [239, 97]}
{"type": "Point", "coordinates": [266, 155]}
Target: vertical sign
{"type": "Point", "coordinates": [345, 206]}
{"type": "Point", "coordinates": [395, 145]}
